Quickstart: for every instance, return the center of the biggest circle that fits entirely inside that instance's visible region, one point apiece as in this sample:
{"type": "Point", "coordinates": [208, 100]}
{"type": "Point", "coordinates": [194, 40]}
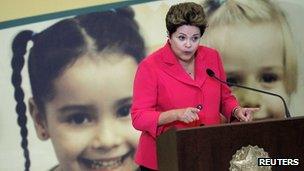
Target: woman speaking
{"type": "Point", "coordinates": [172, 88]}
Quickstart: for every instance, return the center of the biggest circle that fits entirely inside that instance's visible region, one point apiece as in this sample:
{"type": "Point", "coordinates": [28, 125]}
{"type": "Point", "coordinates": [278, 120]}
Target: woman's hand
{"type": "Point", "coordinates": [187, 115]}
{"type": "Point", "coordinates": [244, 114]}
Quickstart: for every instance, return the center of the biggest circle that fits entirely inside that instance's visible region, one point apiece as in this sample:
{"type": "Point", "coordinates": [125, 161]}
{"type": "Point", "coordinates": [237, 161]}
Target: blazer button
{"type": "Point", "coordinates": [200, 107]}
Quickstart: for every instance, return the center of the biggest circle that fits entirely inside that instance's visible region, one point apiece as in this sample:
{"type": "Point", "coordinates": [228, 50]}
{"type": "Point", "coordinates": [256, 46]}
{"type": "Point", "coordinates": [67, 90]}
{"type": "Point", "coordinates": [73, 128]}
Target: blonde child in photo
{"type": "Point", "coordinates": [255, 42]}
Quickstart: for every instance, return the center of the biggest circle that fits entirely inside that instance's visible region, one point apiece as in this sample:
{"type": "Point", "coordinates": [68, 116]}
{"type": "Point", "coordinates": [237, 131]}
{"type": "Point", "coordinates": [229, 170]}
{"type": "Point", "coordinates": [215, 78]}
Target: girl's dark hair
{"type": "Point", "coordinates": [188, 13]}
{"type": "Point", "coordinates": [58, 46]}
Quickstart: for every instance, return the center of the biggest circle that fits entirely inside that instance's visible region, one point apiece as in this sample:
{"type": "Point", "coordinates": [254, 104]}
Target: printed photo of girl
{"type": "Point", "coordinates": [81, 72]}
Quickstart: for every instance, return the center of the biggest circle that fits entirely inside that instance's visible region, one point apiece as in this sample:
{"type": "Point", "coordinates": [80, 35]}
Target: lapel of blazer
{"type": "Point", "coordinates": [171, 66]}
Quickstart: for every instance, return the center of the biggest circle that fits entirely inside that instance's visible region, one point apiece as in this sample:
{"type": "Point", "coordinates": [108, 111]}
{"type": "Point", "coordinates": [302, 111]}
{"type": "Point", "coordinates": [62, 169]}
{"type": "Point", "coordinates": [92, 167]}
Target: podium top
{"type": "Point", "coordinates": [212, 147]}
{"type": "Point", "coordinates": [253, 123]}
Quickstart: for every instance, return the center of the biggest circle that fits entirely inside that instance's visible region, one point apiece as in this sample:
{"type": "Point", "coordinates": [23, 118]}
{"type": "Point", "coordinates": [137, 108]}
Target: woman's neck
{"type": "Point", "coordinates": [188, 63]}
{"type": "Point", "coordinates": [188, 66]}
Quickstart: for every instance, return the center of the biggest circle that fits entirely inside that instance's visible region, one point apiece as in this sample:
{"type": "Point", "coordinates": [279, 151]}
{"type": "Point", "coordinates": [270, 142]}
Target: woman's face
{"type": "Point", "coordinates": [184, 42]}
{"type": "Point", "coordinates": [88, 120]}
{"type": "Point", "coordinates": [253, 56]}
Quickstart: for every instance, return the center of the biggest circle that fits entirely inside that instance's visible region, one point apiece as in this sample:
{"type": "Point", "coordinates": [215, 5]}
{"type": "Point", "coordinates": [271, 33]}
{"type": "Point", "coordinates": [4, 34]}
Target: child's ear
{"type": "Point", "coordinates": [40, 124]}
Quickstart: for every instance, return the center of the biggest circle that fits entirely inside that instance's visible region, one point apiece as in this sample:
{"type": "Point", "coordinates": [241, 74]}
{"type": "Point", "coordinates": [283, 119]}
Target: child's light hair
{"type": "Point", "coordinates": [232, 12]}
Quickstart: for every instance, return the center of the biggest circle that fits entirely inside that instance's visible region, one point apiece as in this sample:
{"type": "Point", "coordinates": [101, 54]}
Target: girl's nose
{"type": "Point", "coordinates": [106, 136]}
{"type": "Point", "coordinates": [249, 98]}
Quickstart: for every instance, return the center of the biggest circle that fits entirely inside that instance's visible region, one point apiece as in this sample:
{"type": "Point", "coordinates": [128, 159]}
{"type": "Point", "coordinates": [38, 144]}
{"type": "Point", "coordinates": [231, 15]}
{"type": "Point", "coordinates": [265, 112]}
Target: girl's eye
{"type": "Point", "coordinates": [269, 77]}
{"type": "Point", "coordinates": [124, 110]}
{"type": "Point", "coordinates": [233, 79]}
{"type": "Point", "coordinates": [181, 38]}
{"type": "Point", "coordinates": [79, 118]}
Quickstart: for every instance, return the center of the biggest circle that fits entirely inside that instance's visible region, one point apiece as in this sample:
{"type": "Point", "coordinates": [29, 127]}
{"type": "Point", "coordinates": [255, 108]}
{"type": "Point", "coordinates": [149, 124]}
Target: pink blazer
{"type": "Point", "coordinates": [161, 84]}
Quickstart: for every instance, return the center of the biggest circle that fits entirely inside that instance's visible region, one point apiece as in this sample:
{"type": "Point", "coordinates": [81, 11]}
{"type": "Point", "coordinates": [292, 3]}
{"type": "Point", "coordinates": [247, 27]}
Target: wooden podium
{"type": "Point", "coordinates": [212, 147]}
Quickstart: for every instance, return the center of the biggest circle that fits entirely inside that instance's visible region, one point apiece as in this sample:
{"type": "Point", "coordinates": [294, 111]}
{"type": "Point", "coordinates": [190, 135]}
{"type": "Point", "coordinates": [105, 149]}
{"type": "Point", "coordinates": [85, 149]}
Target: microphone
{"type": "Point", "coordinates": [212, 74]}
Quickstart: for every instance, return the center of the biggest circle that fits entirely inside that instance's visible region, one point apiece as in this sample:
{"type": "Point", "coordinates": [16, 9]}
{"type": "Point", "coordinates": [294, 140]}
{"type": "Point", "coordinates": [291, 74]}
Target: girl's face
{"type": "Point", "coordinates": [184, 42]}
{"type": "Point", "coordinates": [253, 56]}
{"type": "Point", "coordinates": [88, 120]}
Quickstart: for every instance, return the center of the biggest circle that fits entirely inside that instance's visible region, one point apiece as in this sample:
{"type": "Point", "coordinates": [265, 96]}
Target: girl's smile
{"type": "Point", "coordinates": [104, 163]}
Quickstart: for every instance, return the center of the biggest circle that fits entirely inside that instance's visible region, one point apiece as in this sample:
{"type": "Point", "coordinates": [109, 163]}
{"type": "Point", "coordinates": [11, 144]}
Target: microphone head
{"type": "Point", "coordinates": [210, 72]}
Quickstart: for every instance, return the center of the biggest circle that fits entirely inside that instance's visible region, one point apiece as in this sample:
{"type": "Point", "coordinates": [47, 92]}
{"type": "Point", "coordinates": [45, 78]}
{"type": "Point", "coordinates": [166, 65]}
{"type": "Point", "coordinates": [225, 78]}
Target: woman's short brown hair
{"type": "Point", "coordinates": [188, 13]}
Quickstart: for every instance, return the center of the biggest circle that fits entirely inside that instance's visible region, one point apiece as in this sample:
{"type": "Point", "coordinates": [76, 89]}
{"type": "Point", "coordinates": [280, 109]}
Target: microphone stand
{"type": "Point", "coordinates": [211, 74]}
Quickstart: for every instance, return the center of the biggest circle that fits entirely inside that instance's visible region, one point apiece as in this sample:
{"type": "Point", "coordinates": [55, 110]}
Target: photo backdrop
{"type": "Point", "coordinates": [151, 19]}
